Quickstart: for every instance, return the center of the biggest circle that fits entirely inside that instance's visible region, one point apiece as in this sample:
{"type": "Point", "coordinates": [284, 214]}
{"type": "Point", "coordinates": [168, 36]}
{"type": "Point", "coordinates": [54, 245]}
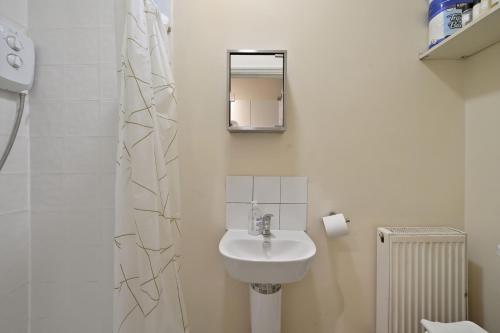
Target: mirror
{"type": "Point", "coordinates": [256, 91]}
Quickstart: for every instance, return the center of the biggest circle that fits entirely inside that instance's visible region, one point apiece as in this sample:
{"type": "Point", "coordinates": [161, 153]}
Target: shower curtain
{"type": "Point", "coordinates": [147, 290]}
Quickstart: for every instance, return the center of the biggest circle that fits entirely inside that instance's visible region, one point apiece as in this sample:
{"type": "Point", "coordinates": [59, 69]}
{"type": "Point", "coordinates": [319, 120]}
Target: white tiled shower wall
{"type": "Point", "coordinates": [283, 197]}
{"type": "Point", "coordinates": [73, 138]}
{"type": "Point", "coordinates": [14, 203]}
{"type": "Point", "coordinates": [14, 221]}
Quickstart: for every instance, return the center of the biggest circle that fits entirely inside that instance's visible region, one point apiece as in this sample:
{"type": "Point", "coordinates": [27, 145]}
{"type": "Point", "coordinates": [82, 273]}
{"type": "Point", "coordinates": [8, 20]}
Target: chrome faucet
{"type": "Point", "coordinates": [266, 225]}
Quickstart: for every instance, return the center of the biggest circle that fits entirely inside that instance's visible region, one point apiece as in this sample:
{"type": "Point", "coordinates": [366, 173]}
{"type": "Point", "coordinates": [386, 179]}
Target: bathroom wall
{"type": "Point", "coordinates": [15, 10]}
{"type": "Point", "coordinates": [482, 179]}
{"type": "Point", "coordinates": [14, 202]}
{"type": "Point", "coordinates": [72, 153]}
{"type": "Point", "coordinates": [379, 133]}
{"type": "Point", "coordinates": [14, 220]}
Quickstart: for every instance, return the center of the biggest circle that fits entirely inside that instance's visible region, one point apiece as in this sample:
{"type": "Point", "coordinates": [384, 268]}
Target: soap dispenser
{"type": "Point", "coordinates": [254, 219]}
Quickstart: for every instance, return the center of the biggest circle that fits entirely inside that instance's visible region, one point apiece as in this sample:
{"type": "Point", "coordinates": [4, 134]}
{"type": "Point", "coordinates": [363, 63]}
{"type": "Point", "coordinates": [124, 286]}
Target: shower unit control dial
{"type": "Point", "coordinates": [14, 60]}
{"type": "Point", "coordinates": [14, 43]}
{"type": "Point", "coordinates": [17, 58]}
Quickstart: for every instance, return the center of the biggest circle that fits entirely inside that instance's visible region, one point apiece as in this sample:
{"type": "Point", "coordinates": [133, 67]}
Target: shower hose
{"type": "Point", "coordinates": [15, 129]}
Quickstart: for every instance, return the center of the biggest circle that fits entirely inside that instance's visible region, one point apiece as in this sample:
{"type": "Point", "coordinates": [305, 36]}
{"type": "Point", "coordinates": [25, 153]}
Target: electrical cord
{"type": "Point", "coordinates": [15, 129]}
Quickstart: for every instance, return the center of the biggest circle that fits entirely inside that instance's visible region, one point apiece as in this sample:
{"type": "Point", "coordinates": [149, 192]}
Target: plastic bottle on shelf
{"type": "Point", "coordinates": [485, 6]}
{"type": "Point", "coordinates": [445, 19]}
{"type": "Point", "coordinates": [476, 10]}
{"type": "Point", "coordinates": [467, 14]}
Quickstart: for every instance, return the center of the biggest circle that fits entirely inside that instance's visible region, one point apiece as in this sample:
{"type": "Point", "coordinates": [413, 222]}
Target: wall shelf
{"type": "Point", "coordinates": [469, 41]}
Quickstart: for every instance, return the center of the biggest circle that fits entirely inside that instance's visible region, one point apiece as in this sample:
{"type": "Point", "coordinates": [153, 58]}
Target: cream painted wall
{"type": "Point", "coordinates": [379, 134]}
{"type": "Point", "coordinates": [482, 204]}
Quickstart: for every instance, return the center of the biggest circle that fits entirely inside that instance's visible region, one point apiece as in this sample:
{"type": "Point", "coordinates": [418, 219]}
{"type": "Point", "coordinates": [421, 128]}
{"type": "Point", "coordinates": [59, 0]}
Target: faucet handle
{"type": "Point", "coordinates": [267, 218]}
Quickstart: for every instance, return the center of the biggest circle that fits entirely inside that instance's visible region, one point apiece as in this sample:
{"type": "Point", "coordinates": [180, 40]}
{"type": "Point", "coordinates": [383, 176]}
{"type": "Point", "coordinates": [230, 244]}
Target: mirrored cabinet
{"type": "Point", "coordinates": [256, 90]}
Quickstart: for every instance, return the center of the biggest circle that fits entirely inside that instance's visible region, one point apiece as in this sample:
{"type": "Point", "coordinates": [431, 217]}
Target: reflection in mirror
{"type": "Point", "coordinates": [256, 91]}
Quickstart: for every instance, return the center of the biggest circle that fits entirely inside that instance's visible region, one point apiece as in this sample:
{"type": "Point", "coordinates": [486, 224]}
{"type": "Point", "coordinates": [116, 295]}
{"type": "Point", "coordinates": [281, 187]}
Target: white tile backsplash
{"type": "Point", "coordinates": [294, 189]}
{"type": "Point", "coordinates": [266, 189]}
{"type": "Point", "coordinates": [293, 216]}
{"type": "Point", "coordinates": [284, 197]}
{"type": "Point", "coordinates": [237, 215]}
{"type": "Point", "coordinates": [239, 188]}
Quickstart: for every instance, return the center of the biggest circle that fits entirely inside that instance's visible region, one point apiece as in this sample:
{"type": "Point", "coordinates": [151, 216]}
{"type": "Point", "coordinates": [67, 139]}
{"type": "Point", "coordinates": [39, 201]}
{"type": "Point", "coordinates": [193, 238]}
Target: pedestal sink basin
{"type": "Point", "coordinates": [265, 263]}
{"type": "Point", "coordinates": [282, 258]}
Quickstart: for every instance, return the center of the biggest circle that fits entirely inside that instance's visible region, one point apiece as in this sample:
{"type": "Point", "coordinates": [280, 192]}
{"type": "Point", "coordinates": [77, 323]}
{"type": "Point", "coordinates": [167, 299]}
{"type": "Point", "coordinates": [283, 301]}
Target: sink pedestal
{"type": "Point", "coordinates": [265, 307]}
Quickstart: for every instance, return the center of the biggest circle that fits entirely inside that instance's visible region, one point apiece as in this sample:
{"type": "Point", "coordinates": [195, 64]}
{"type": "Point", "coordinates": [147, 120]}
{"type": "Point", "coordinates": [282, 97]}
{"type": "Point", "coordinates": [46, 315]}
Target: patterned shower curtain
{"type": "Point", "coordinates": [147, 293]}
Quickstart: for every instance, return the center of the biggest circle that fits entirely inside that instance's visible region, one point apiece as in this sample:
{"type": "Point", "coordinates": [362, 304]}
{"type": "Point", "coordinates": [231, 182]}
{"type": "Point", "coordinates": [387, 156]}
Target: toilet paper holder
{"type": "Point", "coordinates": [347, 220]}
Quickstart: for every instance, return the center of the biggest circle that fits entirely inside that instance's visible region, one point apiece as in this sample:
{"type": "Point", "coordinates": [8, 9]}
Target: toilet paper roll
{"type": "Point", "coordinates": [335, 225]}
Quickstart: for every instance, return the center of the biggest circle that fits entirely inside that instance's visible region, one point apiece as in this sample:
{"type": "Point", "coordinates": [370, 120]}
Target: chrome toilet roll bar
{"type": "Point", "coordinates": [347, 220]}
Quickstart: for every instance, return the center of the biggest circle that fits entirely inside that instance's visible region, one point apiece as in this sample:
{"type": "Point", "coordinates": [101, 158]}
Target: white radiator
{"type": "Point", "coordinates": [421, 273]}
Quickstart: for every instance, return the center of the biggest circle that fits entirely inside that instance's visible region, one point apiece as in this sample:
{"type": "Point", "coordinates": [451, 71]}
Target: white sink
{"type": "Point", "coordinates": [286, 258]}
